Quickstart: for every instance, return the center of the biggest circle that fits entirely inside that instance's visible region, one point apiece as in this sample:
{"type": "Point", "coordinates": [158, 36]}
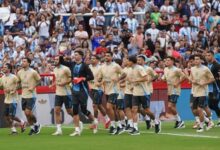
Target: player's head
{"type": "Point", "coordinates": [170, 61]}
{"type": "Point", "coordinates": [141, 60]}
{"type": "Point", "coordinates": [132, 60]}
{"type": "Point", "coordinates": [26, 62]}
{"type": "Point", "coordinates": [108, 56]}
{"type": "Point", "coordinates": [191, 60]}
{"type": "Point", "coordinates": [57, 60]}
{"type": "Point", "coordinates": [209, 56]}
{"type": "Point", "coordinates": [95, 59]}
{"type": "Point", "coordinates": [7, 68]}
{"type": "Point", "coordinates": [197, 60]}
{"type": "Point", "coordinates": [78, 55]}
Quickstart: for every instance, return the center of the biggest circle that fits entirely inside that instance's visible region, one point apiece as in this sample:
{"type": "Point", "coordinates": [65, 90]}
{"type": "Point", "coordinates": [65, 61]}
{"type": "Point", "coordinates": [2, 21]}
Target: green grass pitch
{"type": "Point", "coordinates": [168, 139]}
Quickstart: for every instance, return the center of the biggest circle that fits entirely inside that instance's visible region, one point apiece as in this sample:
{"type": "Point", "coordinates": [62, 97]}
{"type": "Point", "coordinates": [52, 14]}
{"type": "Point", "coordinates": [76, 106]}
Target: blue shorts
{"type": "Point", "coordinates": [10, 109]}
{"type": "Point", "coordinates": [120, 104]}
{"type": "Point", "coordinates": [28, 103]}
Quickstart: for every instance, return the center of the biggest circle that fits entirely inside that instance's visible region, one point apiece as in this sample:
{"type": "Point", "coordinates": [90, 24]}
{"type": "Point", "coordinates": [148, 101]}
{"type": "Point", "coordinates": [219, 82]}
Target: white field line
{"type": "Point", "coordinates": [162, 133]}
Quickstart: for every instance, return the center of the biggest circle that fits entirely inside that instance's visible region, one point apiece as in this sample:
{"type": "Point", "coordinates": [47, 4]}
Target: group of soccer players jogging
{"type": "Point", "coordinates": [127, 85]}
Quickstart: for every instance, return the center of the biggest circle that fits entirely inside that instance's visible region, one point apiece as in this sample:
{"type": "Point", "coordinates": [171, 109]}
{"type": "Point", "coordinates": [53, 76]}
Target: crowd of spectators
{"type": "Point", "coordinates": [41, 29]}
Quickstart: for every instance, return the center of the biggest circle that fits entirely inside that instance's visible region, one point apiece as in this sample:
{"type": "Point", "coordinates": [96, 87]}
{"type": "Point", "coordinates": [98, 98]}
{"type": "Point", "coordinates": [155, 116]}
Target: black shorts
{"type": "Point", "coordinates": [28, 103]}
{"type": "Point", "coordinates": [96, 96]}
{"type": "Point", "coordinates": [120, 104]}
{"type": "Point", "coordinates": [80, 98]}
{"type": "Point", "coordinates": [199, 102]}
{"type": "Point", "coordinates": [143, 101]}
{"type": "Point", "coordinates": [173, 98]}
{"type": "Point", "coordinates": [67, 100]}
{"type": "Point", "coordinates": [10, 109]}
{"type": "Point", "coordinates": [112, 98]}
{"type": "Point", "coordinates": [128, 100]}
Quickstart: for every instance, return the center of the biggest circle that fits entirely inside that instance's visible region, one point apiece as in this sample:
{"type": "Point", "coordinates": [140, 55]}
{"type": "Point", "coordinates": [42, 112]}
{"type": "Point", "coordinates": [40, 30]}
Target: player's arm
{"type": "Point", "coordinates": [15, 82]}
{"type": "Point", "coordinates": [209, 78]}
{"type": "Point", "coordinates": [181, 76]}
{"type": "Point", "coordinates": [19, 81]}
{"type": "Point", "coordinates": [37, 78]}
{"type": "Point", "coordinates": [143, 78]}
{"type": "Point", "coordinates": [67, 74]}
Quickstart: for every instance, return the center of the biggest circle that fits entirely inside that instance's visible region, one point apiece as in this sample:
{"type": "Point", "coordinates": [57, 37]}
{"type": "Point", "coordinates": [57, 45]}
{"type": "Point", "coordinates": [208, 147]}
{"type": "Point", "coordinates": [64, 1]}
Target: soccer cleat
{"type": "Point", "coordinates": [57, 133]}
{"type": "Point", "coordinates": [176, 124]}
{"type": "Point", "coordinates": [32, 132]}
{"type": "Point", "coordinates": [112, 130]}
{"type": "Point", "coordinates": [81, 126]}
{"type": "Point", "coordinates": [37, 128]}
{"type": "Point", "coordinates": [120, 130]}
{"type": "Point", "coordinates": [128, 128]}
{"type": "Point", "coordinates": [107, 124]}
{"type": "Point", "coordinates": [200, 130]}
{"type": "Point", "coordinates": [218, 124]}
{"type": "Point", "coordinates": [180, 125]}
{"type": "Point", "coordinates": [196, 125]}
{"type": "Point", "coordinates": [75, 133]}
{"type": "Point", "coordinates": [23, 127]}
{"type": "Point", "coordinates": [210, 125]}
{"type": "Point", "coordinates": [148, 124]}
{"type": "Point", "coordinates": [95, 129]}
{"type": "Point", "coordinates": [135, 132]}
{"type": "Point", "coordinates": [158, 128]}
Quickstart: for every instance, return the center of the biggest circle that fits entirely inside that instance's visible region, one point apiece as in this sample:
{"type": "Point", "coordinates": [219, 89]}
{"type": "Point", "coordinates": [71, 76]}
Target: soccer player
{"type": "Point", "coordinates": [174, 77]}
{"type": "Point", "coordinates": [97, 91]}
{"type": "Point", "coordinates": [214, 87]}
{"type": "Point", "coordinates": [63, 92]}
{"type": "Point", "coordinates": [9, 82]}
{"type": "Point", "coordinates": [152, 75]}
{"type": "Point", "coordinates": [120, 104]}
{"type": "Point", "coordinates": [187, 72]}
{"type": "Point", "coordinates": [128, 94]}
{"type": "Point", "coordinates": [81, 74]}
{"type": "Point", "coordinates": [141, 95]}
{"type": "Point", "coordinates": [110, 73]}
{"type": "Point", "coordinates": [29, 79]}
{"type": "Point", "coordinates": [200, 77]}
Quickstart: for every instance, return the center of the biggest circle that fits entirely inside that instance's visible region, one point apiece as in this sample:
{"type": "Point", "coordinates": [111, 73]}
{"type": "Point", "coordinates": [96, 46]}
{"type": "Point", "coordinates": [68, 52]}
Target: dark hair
{"type": "Point", "coordinates": [118, 61]}
{"type": "Point", "coordinates": [141, 56]}
{"type": "Point", "coordinates": [171, 58]}
{"type": "Point", "coordinates": [197, 55]}
{"type": "Point", "coordinates": [109, 52]}
{"type": "Point", "coordinates": [133, 59]}
{"type": "Point", "coordinates": [9, 66]}
{"type": "Point", "coordinates": [79, 52]}
{"type": "Point", "coordinates": [211, 52]}
{"type": "Point", "coordinates": [28, 59]}
{"type": "Point", "coordinates": [191, 57]}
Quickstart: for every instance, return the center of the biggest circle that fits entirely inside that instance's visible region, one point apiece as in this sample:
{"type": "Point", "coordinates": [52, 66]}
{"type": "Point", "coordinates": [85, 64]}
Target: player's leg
{"type": "Point", "coordinates": [172, 101]}
{"type": "Point", "coordinates": [194, 112]}
{"type": "Point", "coordinates": [128, 112]}
{"type": "Point", "coordinates": [135, 103]}
{"type": "Point", "coordinates": [12, 112]}
{"type": "Point", "coordinates": [145, 101]}
{"type": "Point", "coordinates": [28, 105]}
{"type": "Point", "coordinates": [9, 120]}
{"type": "Point", "coordinates": [200, 102]}
{"type": "Point", "coordinates": [121, 116]}
{"type": "Point", "coordinates": [111, 106]}
{"type": "Point", "coordinates": [57, 111]}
